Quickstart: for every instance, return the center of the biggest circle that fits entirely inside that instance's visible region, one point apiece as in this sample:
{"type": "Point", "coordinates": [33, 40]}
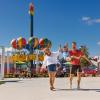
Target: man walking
{"type": "Point", "coordinates": [74, 57]}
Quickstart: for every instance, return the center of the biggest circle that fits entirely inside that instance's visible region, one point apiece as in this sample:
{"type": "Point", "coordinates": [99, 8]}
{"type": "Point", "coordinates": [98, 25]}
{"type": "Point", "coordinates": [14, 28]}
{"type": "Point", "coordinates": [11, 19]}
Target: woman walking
{"type": "Point", "coordinates": [50, 60]}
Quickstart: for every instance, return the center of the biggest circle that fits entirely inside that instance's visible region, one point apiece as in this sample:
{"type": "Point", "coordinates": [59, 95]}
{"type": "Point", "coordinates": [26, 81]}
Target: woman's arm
{"type": "Point", "coordinates": [44, 62]}
{"type": "Point", "coordinates": [86, 59]}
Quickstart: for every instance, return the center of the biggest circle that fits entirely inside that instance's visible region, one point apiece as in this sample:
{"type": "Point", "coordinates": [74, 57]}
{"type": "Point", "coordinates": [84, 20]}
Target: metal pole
{"type": "Point", "coordinates": [2, 62]}
{"type": "Point", "coordinates": [31, 12]}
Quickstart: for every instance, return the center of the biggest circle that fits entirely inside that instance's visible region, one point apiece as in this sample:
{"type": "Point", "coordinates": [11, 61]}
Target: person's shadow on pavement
{"type": "Point", "coordinates": [75, 89]}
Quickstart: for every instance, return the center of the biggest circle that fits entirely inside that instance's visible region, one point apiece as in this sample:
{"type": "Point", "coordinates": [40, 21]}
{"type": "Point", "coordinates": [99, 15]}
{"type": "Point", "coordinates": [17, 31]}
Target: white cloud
{"type": "Point", "coordinates": [86, 18]}
{"type": "Point", "coordinates": [89, 20]}
{"type": "Point", "coordinates": [98, 42]}
{"type": "Point", "coordinates": [97, 20]}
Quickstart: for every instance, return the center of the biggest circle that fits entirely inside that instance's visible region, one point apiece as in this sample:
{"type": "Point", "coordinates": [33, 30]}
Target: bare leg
{"type": "Point", "coordinates": [50, 81]}
{"type": "Point", "coordinates": [53, 78]}
{"type": "Point", "coordinates": [71, 78]}
{"type": "Point", "coordinates": [78, 80]}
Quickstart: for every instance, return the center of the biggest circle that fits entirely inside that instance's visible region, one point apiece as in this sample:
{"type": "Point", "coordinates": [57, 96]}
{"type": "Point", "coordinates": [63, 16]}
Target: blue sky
{"type": "Point", "coordinates": [60, 21]}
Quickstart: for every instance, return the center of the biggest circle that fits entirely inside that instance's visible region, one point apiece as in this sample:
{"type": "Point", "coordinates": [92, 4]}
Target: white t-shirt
{"type": "Point", "coordinates": [52, 59]}
{"type": "Point", "coordinates": [65, 54]}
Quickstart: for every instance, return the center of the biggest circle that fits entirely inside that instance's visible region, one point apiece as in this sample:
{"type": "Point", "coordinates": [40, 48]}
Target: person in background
{"type": "Point", "coordinates": [28, 72]}
{"type": "Point", "coordinates": [50, 60]}
{"type": "Point", "coordinates": [65, 51]}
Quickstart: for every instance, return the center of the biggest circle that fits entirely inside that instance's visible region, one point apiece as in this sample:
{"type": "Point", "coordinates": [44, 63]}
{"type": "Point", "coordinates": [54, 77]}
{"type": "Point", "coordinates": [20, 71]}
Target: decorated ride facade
{"type": "Point", "coordinates": [20, 45]}
{"type": "Point", "coordinates": [21, 56]}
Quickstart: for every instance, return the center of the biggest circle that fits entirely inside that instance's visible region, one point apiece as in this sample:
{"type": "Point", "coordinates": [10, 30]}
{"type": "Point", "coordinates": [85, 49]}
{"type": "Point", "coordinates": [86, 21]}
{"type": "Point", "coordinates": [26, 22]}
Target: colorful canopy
{"type": "Point", "coordinates": [21, 42]}
{"type": "Point", "coordinates": [33, 42]}
{"type": "Point", "coordinates": [44, 42]}
{"type": "Point", "coordinates": [13, 43]}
